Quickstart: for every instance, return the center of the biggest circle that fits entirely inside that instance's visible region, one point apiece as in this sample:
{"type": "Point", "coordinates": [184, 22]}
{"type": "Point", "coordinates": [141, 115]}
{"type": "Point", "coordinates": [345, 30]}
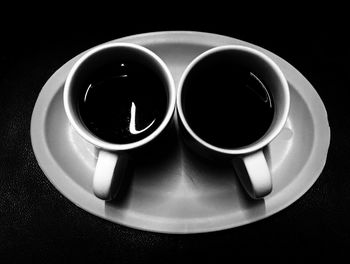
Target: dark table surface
{"type": "Point", "coordinates": [38, 224]}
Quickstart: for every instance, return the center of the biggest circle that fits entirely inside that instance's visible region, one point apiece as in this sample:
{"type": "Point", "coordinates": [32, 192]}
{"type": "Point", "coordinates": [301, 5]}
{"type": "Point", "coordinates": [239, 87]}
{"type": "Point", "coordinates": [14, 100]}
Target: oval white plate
{"type": "Point", "coordinates": [176, 191]}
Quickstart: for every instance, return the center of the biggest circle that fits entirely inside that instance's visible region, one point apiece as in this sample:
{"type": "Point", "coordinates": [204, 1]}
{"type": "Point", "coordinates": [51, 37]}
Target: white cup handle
{"type": "Point", "coordinates": [254, 174]}
{"type": "Point", "coordinates": [108, 176]}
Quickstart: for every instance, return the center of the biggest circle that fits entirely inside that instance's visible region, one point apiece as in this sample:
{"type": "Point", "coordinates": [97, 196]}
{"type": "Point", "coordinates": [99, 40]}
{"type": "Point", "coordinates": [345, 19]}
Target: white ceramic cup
{"type": "Point", "coordinates": [112, 158]}
{"type": "Point", "coordinates": [249, 161]}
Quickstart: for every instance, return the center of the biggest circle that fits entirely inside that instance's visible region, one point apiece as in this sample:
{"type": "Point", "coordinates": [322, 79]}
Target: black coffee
{"type": "Point", "coordinates": [123, 102]}
{"type": "Point", "coordinates": [225, 104]}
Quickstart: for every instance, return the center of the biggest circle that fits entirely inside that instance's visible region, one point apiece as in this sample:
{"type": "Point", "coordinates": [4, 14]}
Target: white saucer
{"type": "Point", "coordinates": [178, 192]}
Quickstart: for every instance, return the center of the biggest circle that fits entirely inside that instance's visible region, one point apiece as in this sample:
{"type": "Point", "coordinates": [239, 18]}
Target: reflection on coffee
{"type": "Point", "coordinates": [123, 102]}
{"type": "Point", "coordinates": [226, 104]}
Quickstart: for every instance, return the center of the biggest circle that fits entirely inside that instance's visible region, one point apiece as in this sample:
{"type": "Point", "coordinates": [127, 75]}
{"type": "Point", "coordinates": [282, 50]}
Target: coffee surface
{"type": "Point", "coordinates": [123, 102]}
{"type": "Point", "coordinates": [226, 104]}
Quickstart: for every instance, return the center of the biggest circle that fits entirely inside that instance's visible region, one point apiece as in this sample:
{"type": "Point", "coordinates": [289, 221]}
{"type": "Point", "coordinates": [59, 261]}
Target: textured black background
{"type": "Point", "coordinates": [38, 224]}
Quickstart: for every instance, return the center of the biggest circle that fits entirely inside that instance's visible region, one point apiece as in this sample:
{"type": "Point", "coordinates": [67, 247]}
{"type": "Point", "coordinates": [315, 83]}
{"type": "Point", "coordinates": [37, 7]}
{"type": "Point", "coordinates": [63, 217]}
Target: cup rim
{"type": "Point", "coordinates": [267, 138]}
{"type": "Point", "coordinates": [89, 136]}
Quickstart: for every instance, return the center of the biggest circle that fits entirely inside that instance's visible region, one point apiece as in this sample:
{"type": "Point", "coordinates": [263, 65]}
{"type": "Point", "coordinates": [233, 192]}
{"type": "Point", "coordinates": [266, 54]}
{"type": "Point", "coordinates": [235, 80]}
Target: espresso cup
{"type": "Point", "coordinates": [232, 101]}
{"type": "Point", "coordinates": [118, 97]}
